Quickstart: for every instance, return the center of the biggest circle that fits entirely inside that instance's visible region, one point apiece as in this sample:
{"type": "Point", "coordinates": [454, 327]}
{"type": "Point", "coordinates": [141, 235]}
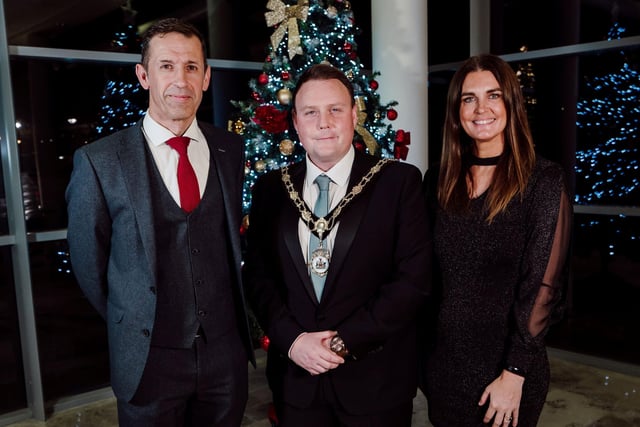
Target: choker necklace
{"type": "Point", "coordinates": [484, 161]}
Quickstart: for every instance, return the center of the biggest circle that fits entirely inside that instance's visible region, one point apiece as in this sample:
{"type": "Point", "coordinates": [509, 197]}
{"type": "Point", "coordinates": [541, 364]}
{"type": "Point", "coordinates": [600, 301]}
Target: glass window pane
{"type": "Point", "coordinates": [92, 25]}
{"type": "Point", "coordinates": [60, 106]}
{"type": "Point", "coordinates": [608, 122]}
{"type": "Point", "coordinates": [12, 379]}
{"type": "Point", "coordinates": [438, 87]}
{"type": "Point", "coordinates": [4, 227]}
{"type": "Point", "coordinates": [602, 314]}
{"type": "Point", "coordinates": [565, 23]}
{"type": "Point", "coordinates": [72, 337]}
{"type": "Point", "coordinates": [234, 30]}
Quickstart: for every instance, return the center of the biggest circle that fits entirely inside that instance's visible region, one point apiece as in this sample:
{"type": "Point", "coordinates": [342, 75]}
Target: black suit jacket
{"type": "Point", "coordinates": [377, 280]}
{"type": "Point", "coordinates": [112, 245]}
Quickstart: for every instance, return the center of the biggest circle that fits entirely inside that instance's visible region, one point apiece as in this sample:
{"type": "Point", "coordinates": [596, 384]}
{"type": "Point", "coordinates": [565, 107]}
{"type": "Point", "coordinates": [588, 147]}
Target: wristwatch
{"type": "Point", "coordinates": [337, 346]}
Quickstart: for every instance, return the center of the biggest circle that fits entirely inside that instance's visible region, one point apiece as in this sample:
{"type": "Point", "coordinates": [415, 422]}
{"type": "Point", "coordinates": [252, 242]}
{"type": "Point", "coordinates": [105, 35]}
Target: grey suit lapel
{"type": "Point", "coordinates": [135, 171]}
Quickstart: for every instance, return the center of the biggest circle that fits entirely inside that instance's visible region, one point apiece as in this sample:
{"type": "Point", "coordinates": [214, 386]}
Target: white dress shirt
{"type": "Point", "coordinates": [166, 158]}
{"type": "Point", "coordinates": [339, 175]}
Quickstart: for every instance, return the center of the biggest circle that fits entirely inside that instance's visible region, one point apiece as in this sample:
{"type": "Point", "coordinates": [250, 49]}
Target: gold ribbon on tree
{"type": "Point", "coordinates": [369, 141]}
{"type": "Point", "coordinates": [287, 16]}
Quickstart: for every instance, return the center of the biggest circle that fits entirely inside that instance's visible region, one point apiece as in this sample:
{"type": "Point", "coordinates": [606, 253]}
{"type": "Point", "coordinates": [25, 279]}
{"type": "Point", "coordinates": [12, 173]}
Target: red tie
{"type": "Point", "coordinates": [187, 181]}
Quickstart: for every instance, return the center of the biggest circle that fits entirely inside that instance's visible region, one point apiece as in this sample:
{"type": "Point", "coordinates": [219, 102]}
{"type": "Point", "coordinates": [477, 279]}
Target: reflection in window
{"type": "Point", "coordinates": [517, 22]}
{"type": "Point", "coordinates": [100, 24]}
{"type": "Point", "coordinates": [12, 383]}
{"type": "Point", "coordinates": [608, 159]}
{"type": "Point", "coordinates": [602, 317]}
{"type": "Point", "coordinates": [4, 227]}
{"type": "Point", "coordinates": [72, 337]}
{"type": "Point", "coordinates": [62, 105]}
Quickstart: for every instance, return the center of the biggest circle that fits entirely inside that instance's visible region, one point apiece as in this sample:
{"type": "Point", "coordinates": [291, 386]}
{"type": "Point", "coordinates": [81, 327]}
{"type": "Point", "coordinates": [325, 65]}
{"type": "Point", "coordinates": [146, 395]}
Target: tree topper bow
{"type": "Point", "coordinates": [287, 16]}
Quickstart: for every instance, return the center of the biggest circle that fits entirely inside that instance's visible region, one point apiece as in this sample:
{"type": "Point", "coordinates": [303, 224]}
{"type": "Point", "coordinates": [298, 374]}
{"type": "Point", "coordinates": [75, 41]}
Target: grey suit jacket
{"type": "Point", "coordinates": [112, 242]}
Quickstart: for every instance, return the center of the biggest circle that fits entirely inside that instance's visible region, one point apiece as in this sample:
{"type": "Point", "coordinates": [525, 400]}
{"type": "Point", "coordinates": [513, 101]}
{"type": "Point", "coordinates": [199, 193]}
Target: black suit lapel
{"type": "Point", "coordinates": [349, 221]}
{"type": "Point", "coordinates": [289, 224]}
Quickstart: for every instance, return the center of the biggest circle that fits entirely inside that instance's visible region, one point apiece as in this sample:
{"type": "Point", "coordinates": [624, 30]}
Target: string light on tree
{"type": "Point", "coordinates": [608, 162]}
{"type": "Point", "coordinates": [307, 32]}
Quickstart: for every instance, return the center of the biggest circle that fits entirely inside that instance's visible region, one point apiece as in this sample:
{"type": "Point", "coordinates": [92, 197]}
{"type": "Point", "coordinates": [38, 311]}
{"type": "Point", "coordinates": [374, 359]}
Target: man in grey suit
{"type": "Point", "coordinates": [154, 244]}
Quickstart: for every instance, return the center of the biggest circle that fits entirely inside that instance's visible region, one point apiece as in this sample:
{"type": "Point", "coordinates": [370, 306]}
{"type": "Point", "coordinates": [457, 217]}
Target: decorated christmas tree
{"type": "Point", "coordinates": [609, 120]}
{"type": "Point", "coordinates": [123, 102]}
{"type": "Point", "coordinates": [608, 160]}
{"type": "Point", "coordinates": [308, 32]}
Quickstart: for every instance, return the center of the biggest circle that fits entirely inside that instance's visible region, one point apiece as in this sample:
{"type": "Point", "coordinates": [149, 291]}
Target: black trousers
{"type": "Point", "coordinates": [204, 386]}
{"type": "Point", "coordinates": [326, 411]}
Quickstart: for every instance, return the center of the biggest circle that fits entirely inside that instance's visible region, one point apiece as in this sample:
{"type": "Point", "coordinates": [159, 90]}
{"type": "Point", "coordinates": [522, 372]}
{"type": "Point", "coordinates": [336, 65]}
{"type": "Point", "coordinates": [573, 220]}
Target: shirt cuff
{"type": "Point", "coordinates": [294, 343]}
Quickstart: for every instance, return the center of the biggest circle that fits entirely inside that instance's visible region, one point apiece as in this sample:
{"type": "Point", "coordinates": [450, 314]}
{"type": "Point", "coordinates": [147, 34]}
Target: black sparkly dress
{"type": "Point", "coordinates": [498, 286]}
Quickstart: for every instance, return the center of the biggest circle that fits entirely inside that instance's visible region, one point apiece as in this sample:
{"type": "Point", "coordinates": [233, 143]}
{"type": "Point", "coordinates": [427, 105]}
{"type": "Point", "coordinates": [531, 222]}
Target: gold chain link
{"type": "Point", "coordinates": [324, 224]}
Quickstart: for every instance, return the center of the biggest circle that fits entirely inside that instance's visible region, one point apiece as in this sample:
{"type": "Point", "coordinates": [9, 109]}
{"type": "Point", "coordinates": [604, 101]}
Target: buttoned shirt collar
{"type": "Point", "coordinates": [339, 173]}
{"type": "Point", "coordinates": [158, 134]}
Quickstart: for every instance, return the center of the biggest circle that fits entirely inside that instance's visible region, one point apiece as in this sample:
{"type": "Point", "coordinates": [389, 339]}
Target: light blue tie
{"type": "Point", "coordinates": [320, 209]}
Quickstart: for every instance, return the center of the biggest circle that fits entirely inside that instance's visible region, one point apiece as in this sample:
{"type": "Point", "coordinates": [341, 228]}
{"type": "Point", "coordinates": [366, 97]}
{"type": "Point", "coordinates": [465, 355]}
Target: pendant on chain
{"type": "Point", "coordinates": [320, 258]}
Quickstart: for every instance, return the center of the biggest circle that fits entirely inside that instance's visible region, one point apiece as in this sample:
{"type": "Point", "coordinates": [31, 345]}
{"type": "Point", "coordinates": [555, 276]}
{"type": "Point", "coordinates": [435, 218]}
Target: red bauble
{"type": "Point", "coordinates": [392, 114]}
{"type": "Point", "coordinates": [263, 79]}
{"type": "Point", "coordinates": [264, 343]}
{"type": "Point", "coordinates": [286, 75]}
{"type": "Point", "coordinates": [373, 85]}
{"type": "Point", "coordinates": [255, 96]}
{"type": "Point", "coordinates": [348, 47]}
{"type": "Point", "coordinates": [359, 146]}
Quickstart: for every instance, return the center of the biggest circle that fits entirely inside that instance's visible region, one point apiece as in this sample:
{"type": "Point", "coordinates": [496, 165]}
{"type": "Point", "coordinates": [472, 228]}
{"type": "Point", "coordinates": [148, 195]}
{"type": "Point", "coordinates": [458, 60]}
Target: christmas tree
{"type": "Point", "coordinates": [608, 117]}
{"type": "Point", "coordinates": [308, 32]}
{"type": "Point", "coordinates": [123, 101]}
{"type": "Point", "coordinates": [608, 162]}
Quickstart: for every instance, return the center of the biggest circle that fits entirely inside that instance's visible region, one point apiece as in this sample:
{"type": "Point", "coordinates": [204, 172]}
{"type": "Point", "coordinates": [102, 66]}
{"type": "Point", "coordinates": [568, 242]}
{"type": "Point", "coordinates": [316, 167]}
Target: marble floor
{"type": "Point", "coordinates": [580, 395]}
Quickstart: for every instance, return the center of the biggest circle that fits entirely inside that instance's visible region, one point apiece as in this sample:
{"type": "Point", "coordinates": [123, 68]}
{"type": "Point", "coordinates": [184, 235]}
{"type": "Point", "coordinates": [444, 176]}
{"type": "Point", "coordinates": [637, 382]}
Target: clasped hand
{"type": "Point", "coordinates": [311, 352]}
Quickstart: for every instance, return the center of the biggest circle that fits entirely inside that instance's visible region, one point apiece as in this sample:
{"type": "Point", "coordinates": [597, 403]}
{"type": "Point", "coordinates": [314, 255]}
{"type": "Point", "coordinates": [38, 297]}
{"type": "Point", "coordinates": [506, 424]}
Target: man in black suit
{"type": "Point", "coordinates": [153, 237]}
{"type": "Point", "coordinates": [342, 352]}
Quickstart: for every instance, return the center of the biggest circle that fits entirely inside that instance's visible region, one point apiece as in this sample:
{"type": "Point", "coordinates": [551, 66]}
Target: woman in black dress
{"type": "Point", "coordinates": [502, 221]}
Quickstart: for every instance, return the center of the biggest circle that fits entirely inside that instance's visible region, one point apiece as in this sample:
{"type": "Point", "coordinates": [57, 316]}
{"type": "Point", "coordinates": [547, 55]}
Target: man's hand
{"type": "Point", "coordinates": [311, 352]}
